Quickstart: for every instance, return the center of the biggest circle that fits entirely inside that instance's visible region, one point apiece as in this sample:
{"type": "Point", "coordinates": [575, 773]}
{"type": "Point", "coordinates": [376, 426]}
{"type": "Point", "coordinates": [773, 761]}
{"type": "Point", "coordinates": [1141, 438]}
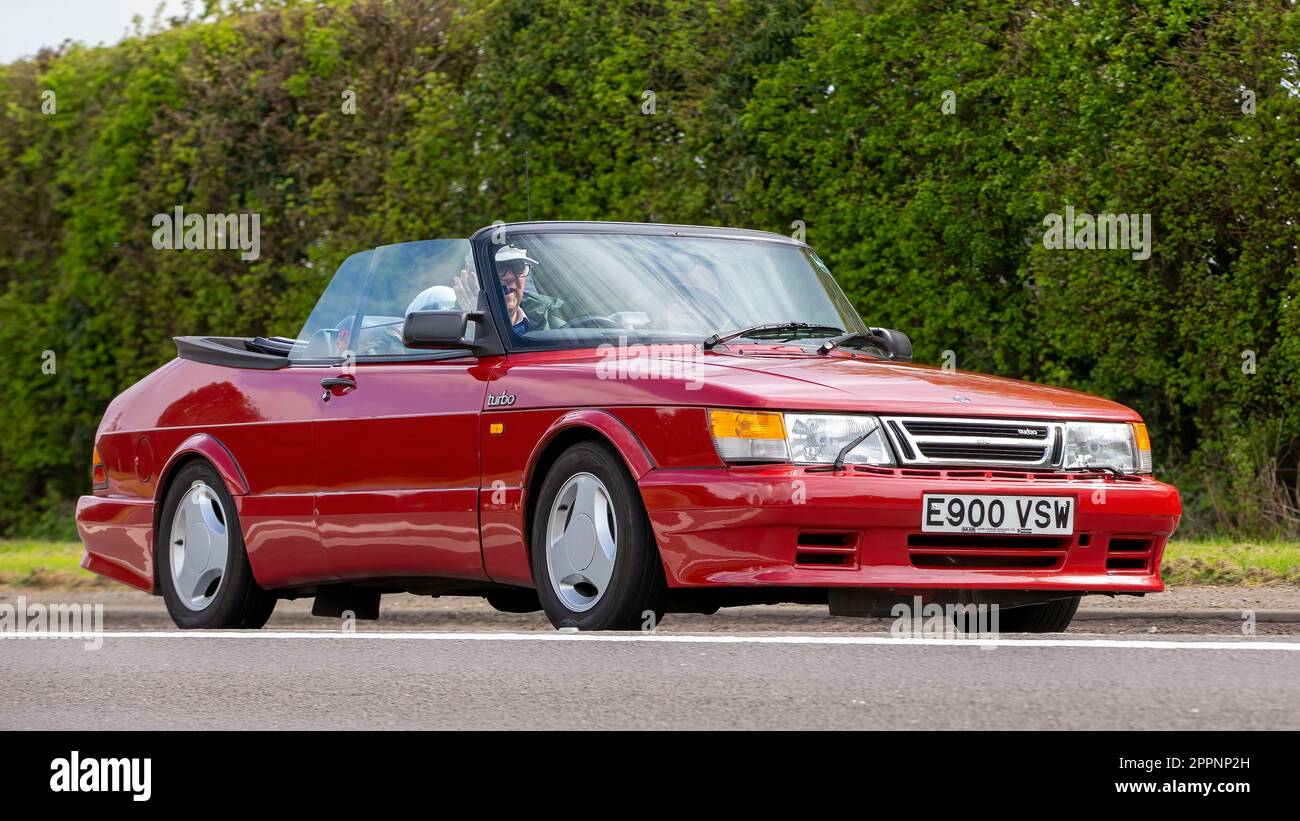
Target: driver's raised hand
{"type": "Point", "coordinates": [466, 290]}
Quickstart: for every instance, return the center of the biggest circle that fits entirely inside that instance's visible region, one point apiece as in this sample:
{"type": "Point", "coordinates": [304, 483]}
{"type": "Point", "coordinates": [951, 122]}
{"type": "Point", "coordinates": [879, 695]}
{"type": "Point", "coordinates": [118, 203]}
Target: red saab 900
{"type": "Point", "coordinates": [608, 422]}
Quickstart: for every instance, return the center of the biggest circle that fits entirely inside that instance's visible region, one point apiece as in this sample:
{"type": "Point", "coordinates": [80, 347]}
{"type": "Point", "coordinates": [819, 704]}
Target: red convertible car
{"type": "Point", "coordinates": [608, 422]}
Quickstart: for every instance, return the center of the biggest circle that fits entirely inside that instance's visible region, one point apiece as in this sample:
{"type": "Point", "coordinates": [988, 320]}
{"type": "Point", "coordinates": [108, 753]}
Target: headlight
{"type": "Point", "coordinates": [766, 436]}
{"type": "Point", "coordinates": [819, 438]}
{"type": "Point", "coordinates": [1118, 445]}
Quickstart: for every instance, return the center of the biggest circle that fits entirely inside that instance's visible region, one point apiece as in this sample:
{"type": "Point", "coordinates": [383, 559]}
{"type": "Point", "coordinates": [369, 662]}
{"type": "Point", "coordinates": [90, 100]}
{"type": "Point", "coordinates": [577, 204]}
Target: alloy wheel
{"type": "Point", "coordinates": [200, 545]}
{"type": "Point", "coordinates": [581, 542]}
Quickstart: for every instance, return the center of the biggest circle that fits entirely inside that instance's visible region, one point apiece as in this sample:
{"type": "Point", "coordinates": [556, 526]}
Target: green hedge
{"type": "Point", "coordinates": [920, 143]}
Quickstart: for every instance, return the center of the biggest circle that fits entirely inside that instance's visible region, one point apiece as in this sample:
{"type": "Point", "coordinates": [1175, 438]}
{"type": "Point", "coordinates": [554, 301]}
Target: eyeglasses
{"type": "Point", "coordinates": [517, 267]}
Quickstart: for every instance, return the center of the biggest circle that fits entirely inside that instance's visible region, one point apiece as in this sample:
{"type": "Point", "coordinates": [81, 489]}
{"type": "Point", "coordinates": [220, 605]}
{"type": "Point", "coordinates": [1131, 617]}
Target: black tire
{"type": "Point", "coordinates": [517, 600]}
{"type": "Point", "coordinates": [637, 587]}
{"type": "Point", "coordinates": [238, 602]}
{"type": "Point", "coordinates": [1050, 617]}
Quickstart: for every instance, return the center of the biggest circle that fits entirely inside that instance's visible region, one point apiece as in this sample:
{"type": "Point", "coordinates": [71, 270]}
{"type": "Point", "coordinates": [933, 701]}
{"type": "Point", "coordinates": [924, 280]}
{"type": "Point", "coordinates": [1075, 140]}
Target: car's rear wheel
{"type": "Point", "coordinates": [1049, 617]}
{"type": "Point", "coordinates": [203, 568]}
{"type": "Point", "coordinates": [594, 557]}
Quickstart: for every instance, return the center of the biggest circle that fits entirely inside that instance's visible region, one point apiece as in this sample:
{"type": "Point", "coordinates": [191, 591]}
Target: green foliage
{"type": "Point", "coordinates": [766, 112]}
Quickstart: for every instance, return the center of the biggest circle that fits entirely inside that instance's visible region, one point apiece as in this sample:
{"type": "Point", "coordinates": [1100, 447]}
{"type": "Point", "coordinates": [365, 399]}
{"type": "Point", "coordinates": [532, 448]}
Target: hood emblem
{"type": "Point", "coordinates": [965, 400]}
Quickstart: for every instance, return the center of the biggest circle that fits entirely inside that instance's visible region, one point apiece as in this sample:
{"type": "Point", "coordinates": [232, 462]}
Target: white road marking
{"type": "Point", "coordinates": [1135, 644]}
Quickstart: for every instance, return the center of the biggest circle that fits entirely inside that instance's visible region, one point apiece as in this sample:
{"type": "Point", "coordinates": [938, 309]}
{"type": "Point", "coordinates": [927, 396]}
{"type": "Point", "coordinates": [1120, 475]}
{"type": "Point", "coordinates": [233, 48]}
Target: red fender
{"type": "Point", "coordinates": [505, 556]}
{"type": "Point", "coordinates": [210, 448]}
{"type": "Point", "coordinates": [634, 454]}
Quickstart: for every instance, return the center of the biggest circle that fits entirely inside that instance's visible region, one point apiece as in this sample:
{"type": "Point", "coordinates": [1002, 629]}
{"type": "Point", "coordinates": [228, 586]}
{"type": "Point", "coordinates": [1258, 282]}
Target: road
{"type": "Point", "coordinates": [1179, 612]}
{"type": "Point", "coordinates": [544, 680]}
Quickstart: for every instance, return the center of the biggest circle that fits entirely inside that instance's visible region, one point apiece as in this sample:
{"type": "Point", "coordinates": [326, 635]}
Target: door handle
{"type": "Point", "coordinates": [329, 383]}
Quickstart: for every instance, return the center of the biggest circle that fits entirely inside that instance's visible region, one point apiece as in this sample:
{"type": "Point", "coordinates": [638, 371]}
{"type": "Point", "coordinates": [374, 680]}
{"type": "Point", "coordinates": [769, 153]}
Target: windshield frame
{"type": "Point", "coordinates": [487, 240]}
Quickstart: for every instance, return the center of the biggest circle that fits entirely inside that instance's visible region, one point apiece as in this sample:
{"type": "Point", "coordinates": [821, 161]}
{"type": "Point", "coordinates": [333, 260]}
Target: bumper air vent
{"type": "Point", "coordinates": [960, 551]}
{"type": "Point", "coordinates": [827, 549]}
{"type": "Point", "coordinates": [1130, 554]}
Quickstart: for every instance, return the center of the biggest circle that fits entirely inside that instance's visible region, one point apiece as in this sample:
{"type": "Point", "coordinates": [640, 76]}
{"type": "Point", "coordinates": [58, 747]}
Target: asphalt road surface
{"type": "Point", "coordinates": [1201, 611]}
{"type": "Point", "coordinates": [279, 679]}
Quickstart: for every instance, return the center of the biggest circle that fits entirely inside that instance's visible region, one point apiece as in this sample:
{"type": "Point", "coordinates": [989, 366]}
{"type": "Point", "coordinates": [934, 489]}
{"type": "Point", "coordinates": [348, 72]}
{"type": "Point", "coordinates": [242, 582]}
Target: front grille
{"type": "Point", "coordinates": [1006, 453]}
{"type": "Point", "coordinates": [1027, 431]}
{"type": "Point", "coordinates": [903, 442]}
{"type": "Point", "coordinates": [934, 441]}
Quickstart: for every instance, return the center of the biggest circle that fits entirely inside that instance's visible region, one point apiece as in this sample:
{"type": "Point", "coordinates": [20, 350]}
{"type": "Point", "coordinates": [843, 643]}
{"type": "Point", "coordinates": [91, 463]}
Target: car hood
{"type": "Point", "coordinates": [844, 383]}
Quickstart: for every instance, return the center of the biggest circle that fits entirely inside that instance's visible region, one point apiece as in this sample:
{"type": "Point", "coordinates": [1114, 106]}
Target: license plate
{"type": "Point", "coordinates": [969, 513]}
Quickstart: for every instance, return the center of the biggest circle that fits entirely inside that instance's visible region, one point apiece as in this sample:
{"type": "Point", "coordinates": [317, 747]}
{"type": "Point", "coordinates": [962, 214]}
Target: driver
{"type": "Point", "coordinates": [527, 310]}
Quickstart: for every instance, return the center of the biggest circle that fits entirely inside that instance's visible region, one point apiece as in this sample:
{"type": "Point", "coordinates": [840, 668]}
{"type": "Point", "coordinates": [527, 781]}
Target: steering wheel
{"type": "Point", "coordinates": [591, 321]}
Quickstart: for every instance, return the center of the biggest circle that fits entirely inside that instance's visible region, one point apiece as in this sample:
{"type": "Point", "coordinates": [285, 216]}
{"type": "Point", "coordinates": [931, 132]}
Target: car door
{"type": "Point", "coordinates": [397, 450]}
{"type": "Point", "coordinates": [268, 422]}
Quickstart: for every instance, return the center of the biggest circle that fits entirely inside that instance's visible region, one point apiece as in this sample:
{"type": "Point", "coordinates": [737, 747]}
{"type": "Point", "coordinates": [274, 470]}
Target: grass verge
{"type": "Point", "coordinates": [1227, 561]}
{"type": "Point", "coordinates": [48, 565]}
{"type": "Point", "coordinates": [37, 565]}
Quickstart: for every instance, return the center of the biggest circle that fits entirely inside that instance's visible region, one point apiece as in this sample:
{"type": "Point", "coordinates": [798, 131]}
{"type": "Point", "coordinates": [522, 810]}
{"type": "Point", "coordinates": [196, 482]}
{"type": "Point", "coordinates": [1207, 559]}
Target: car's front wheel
{"type": "Point", "coordinates": [203, 570]}
{"type": "Point", "coordinates": [594, 557]}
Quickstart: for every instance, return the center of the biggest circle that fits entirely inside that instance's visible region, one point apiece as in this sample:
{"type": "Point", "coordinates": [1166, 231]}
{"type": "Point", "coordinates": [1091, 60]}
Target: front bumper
{"type": "Point", "coordinates": [794, 526]}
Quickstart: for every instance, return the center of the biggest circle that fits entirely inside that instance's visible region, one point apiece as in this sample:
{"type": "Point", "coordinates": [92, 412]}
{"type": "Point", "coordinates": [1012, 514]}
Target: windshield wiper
{"type": "Point", "coordinates": [1116, 472]}
{"type": "Point", "coordinates": [831, 344]}
{"type": "Point", "coordinates": [838, 465]}
{"type": "Point", "coordinates": [718, 339]}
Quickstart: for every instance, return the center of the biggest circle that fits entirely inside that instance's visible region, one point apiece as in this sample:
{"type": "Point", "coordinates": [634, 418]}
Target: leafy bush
{"type": "Point", "coordinates": [920, 143]}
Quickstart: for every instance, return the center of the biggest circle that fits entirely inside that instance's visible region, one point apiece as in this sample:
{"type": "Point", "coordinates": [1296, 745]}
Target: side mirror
{"type": "Point", "coordinates": [438, 329]}
{"type": "Point", "coordinates": [883, 342]}
{"type": "Point", "coordinates": [897, 343]}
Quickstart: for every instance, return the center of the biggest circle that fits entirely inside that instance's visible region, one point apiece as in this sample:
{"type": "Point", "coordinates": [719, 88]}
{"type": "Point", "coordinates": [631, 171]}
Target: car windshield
{"type": "Point", "coordinates": [566, 289]}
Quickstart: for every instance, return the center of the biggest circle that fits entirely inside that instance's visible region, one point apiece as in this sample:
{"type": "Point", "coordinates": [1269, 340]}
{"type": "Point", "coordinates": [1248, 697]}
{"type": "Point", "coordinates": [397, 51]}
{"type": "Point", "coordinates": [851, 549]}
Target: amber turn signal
{"type": "Point", "coordinates": [1142, 441]}
{"type": "Point", "coordinates": [749, 436]}
{"type": "Point", "coordinates": [98, 473]}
